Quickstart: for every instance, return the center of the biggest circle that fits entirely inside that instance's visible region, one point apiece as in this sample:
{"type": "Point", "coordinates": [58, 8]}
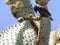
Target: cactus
{"type": "Point", "coordinates": [45, 25]}
{"type": "Point", "coordinates": [18, 34]}
{"type": "Point", "coordinates": [45, 28]}
{"type": "Point", "coordinates": [23, 33]}
{"type": "Point", "coordinates": [23, 7]}
{"type": "Point", "coordinates": [54, 37]}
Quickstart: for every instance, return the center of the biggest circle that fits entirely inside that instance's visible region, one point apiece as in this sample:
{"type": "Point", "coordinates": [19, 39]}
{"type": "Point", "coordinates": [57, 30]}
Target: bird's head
{"type": "Point", "coordinates": [41, 2]}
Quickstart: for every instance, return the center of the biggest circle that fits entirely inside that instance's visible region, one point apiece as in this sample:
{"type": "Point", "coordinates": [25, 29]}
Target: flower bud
{"type": "Point", "coordinates": [31, 15]}
{"type": "Point", "coordinates": [13, 8]}
{"type": "Point", "coordinates": [20, 19]}
{"type": "Point", "coordinates": [19, 4]}
{"type": "Point", "coordinates": [8, 2]}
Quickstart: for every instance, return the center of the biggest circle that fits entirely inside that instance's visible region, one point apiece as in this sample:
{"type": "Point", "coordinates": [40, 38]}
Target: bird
{"type": "Point", "coordinates": [41, 8]}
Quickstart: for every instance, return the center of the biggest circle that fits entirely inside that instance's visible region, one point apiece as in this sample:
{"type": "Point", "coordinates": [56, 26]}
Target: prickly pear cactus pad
{"type": "Point", "coordinates": [18, 34]}
{"type": "Point", "coordinates": [20, 7]}
{"type": "Point", "coordinates": [22, 33]}
{"type": "Point", "coordinates": [45, 28]}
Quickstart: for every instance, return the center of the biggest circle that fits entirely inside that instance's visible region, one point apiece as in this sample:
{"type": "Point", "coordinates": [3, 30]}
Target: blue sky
{"type": "Point", "coordinates": [6, 18]}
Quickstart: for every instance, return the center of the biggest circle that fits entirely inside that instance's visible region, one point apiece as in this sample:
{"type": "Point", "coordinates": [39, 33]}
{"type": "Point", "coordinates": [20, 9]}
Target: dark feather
{"type": "Point", "coordinates": [43, 11]}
